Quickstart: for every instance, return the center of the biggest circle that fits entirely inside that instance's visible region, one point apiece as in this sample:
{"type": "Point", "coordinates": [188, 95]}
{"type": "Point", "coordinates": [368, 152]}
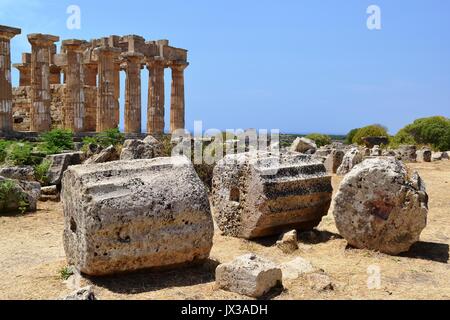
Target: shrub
{"type": "Point", "coordinates": [65, 272]}
{"type": "Point", "coordinates": [56, 141]}
{"type": "Point", "coordinates": [9, 193]}
{"type": "Point", "coordinates": [351, 135]}
{"type": "Point", "coordinates": [434, 131]}
{"type": "Point", "coordinates": [41, 171]}
{"type": "Point", "coordinates": [319, 139]}
{"type": "Point", "coordinates": [20, 154]}
{"type": "Point", "coordinates": [4, 146]}
{"type": "Point", "coordinates": [374, 130]}
{"type": "Point", "coordinates": [106, 138]}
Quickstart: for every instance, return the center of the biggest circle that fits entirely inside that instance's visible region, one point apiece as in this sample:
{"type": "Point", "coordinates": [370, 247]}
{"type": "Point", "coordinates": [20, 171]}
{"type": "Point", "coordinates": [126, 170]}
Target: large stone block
{"type": "Point", "coordinates": [127, 215]}
{"type": "Point", "coordinates": [59, 164]}
{"type": "Point", "coordinates": [260, 194]}
{"type": "Point", "coordinates": [303, 145]}
{"type": "Point", "coordinates": [148, 148]}
{"type": "Point", "coordinates": [18, 195]}
{"type": "Point", "coordinates": [381, 206]}
{"type": "Point", "coordinates": [249, 275]}
{"type": "Point", "coordinates": [334, 160]}
{"type": "Point", "coordinates": [424, 155]}
{"type": "Point", "coordinates": [351, 158]}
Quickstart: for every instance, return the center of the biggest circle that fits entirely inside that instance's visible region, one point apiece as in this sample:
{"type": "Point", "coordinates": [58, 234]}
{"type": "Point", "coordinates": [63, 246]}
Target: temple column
{"type": "Point", "coordinates": [132, 64]}
{"type": "Point", "coordinates": [90, 74]}
{"type": "Point", "coordinates": [117, 89]}
{"type": "Point", "coordinates": [6, 119]}
{"type": "Point", "coordinates": [90, 82]}
{"type": "Point", "coordinates": [177, 96]}
{"type": "Point", "coordinates": [41, 45]}
{"type": "Point", "coordinates": [74, 106]}
{"type": "Point", "coordinates": [155, 108]}
{"type": "Point", "coordinates": [107, 103]}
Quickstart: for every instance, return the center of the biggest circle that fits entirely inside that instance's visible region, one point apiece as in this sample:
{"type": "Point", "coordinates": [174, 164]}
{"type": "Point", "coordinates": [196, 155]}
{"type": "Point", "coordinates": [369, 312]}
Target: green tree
{"type": "Point", "coordinates": [319, 139]}
{"type": "Point", "coordinates": [350, 136]}
{"type": "Point", "coordinates": [374, 130]}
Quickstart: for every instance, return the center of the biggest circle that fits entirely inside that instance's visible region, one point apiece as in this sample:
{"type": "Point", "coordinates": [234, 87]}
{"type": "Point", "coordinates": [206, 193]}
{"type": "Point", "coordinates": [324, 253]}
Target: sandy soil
{"type": "Point", "coordinates": [31, 257]}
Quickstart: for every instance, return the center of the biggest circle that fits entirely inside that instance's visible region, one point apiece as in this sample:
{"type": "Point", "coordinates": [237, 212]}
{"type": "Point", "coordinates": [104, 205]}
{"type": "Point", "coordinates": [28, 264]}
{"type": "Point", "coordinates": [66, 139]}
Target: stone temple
{"type": "Point", "coordinates": [87, 98]}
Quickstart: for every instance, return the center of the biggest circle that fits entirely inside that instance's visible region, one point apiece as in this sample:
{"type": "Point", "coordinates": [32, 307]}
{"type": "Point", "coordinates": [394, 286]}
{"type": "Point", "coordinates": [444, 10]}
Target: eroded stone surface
{"type": "Point", "coordinates": [148, 148]}
{"type": "Point", "coordinates": [303, 145]}
{"type": "Point", "coordinates": [351, 158]}
{"type": "Point", "coordinates": [259, 194]}
{"type": "Point", "coordinates": [381, 206]}
{"type": "Point", "coordinates": [249, 275]}
{"type": "Point", "coordinates": [19, 173]}
{"type": "Point", "coordinates": [128, 215]}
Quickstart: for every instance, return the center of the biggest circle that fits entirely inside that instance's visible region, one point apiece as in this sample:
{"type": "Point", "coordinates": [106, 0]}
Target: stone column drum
{"type": "Point", "coordinates": [155, 110]}
{"type": "Point", "coordinates": [6, 34]}
{"type": "Point", "coordinates": [74, 109]}
{"type": "Point", "coordinates": [106, 96]}
{"type": "Point", "coordinates": [132, 63]}
{"type": "Point", "coordinates": [177, 96]}
{"type": "Point", "coordinates": [41, 44]}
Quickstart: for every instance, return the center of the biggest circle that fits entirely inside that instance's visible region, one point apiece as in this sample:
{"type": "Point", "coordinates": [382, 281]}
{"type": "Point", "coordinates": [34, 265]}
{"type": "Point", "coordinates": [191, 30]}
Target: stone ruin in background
{"type": "Point", "coordinates": [87, 99]}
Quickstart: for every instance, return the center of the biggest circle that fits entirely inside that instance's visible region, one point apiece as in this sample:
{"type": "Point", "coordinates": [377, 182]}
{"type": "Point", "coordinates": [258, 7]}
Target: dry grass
{"type": "Point", "coordinates": [31, 256]}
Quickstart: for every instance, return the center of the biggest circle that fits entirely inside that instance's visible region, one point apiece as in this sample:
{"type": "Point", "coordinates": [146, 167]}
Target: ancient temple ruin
{"type": "Point", "coordinates": [87, 97]}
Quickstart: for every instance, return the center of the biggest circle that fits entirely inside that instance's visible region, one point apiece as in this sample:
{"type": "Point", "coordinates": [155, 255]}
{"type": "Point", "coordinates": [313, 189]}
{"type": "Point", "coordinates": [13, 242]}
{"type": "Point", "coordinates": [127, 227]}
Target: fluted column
{"type": "Point", "coordinates": [74, 106]}
{"type": "Point", "coordinates": [90, 74]}
{"type": "Point", "coordinates": [132, 62]}
{"type": "Point", "coordinates": [155, 108]}
{"type": "Point", "coordinates": [107, 103]}
{"type": "Point", "coordinates": [41, 46]}
{"type": "Point", "coordinates": [177, 97]}
{"type": "Point", "coordinates": [6, 121]}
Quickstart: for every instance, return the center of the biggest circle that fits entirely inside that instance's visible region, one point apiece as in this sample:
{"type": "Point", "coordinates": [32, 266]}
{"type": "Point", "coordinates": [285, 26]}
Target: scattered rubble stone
{"type": "Point", "coordinates": [248, 275]}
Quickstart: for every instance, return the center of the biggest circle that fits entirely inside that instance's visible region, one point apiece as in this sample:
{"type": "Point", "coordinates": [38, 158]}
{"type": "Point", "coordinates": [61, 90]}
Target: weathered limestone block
{"type": "Point", "coordinates": [103, 155]}
{"type": "Point", "coordinates": [288, 242]}
{"type": "Point", "coordinates": [50, 193]}
{"type": "Point", "coordinates": [351, 158]}
{"type": "Point", "coordinates": [148, 148]}
{"type": "Point", "coordinates": [22, 194]}
{"type": "Point", "coordinates": [438, 156]}
{"type": "Point", "coordinates": [334, 160]}
{"type": "Point", "coordinates": [59, 163]}
{"type": "Point", "coordinates": [248, 275]}
{"type": "Point", "coordinates": [21, 108]}
{"type": "Point", "coordinates": [424, 155]}
{"type": "Point", "coordinates": [257, 194]}
{"type": "Point", "coordinates": [131, 215]}
{"type": "Point", "coordinates": [25, 173]}
{"type": "Point", "coordinates": [375, 151]}
{"type": "Point", "coordinates": [407, 153]}
{"type": "Point", "coordinates": [303, 145]}
{"type": "Point", "coordinates": [381, 206]}
{"type": "Point", "coordinates": [388, 153]}
{"type": "Point", "coordinates": [323, 152]}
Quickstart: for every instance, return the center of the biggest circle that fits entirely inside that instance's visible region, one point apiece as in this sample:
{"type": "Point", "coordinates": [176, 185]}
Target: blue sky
{"type": "Point", "coordinates": [300, 66]}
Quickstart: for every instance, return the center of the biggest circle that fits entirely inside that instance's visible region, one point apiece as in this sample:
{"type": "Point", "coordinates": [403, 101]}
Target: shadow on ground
{"type": "Point", "coordinates": [307, 237]}
{"type": "Point", "coordinates": [146, 281]}
{"type": "Point", "coordinates": [438, 252]}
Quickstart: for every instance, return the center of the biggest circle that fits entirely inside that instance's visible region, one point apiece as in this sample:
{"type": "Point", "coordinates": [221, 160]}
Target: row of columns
{"type": "Point", "coordinates": [78, 74]}
{"type": "Point", "coordinates": [6, 34]}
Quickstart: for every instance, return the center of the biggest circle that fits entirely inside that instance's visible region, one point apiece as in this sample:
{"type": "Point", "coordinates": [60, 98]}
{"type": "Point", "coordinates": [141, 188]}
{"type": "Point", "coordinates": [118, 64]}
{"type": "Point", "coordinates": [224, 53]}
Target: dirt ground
{"type": "Point", "coordinates": [32, 255]}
